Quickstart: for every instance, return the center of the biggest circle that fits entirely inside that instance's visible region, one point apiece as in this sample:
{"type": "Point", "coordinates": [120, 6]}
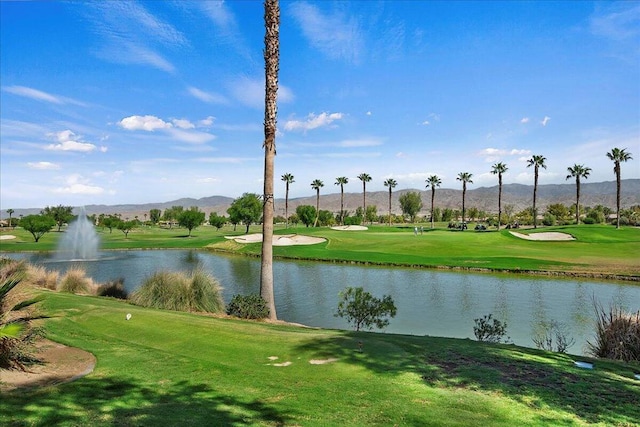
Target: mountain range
{"type": "Point", "coordinates": [484, 198]}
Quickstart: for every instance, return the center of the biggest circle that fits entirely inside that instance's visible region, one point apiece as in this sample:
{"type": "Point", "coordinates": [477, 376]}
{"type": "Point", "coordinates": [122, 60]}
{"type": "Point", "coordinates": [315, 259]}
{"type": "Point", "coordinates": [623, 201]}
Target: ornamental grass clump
{"type": "Point", "coordinates": [113, 289]}
{"type": "Point", "coordinates": [40, 277]}
{"type": "Point", "coordinates": [198, 292]}
{"type": "Point", "coordinates": [617, 334]}
{"type": "Point", "coordinates": [75, 281]}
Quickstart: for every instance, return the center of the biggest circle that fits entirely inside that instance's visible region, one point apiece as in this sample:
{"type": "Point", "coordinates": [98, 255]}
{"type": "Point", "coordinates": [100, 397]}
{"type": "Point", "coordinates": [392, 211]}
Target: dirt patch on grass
{"type": "Point", "coordinates": [57, 364]}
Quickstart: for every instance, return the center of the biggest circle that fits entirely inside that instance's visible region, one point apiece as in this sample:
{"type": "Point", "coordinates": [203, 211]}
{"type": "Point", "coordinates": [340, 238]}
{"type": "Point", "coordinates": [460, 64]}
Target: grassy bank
{"type": "Point", "coordinates": [167, 368]}
{"type": "Point", "coordinates": [601, 251]}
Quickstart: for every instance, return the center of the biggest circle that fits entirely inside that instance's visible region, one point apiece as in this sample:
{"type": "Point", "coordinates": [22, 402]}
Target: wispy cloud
{"type": "Point", "coordinates": [545, 120]}
{"type": "Point", "coordinates": [365, 142]}
{"type": "Point", "coordinates": [208, 97]}
{"type": "Point", "coordinates": [524, 120]}
{"type": "Point", "coordinates": [43, 166]}
{"type": "Point", "coordinates": [336, 35]}
{"type": "Point", "coordinates": [617, 21]}
{"type": "Point", "coordinates": [496, 154]}
{"type": "Point", "coordinates": [131, 34]}
{"type": "Point", "coordinates": [39, 95]}
{"type": "Point", "coordinates": [312, 121]}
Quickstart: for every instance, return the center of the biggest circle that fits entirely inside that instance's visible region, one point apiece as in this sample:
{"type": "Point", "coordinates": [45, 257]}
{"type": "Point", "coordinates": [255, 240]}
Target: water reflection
{"type": "Point", "coordinates": [429, 302]}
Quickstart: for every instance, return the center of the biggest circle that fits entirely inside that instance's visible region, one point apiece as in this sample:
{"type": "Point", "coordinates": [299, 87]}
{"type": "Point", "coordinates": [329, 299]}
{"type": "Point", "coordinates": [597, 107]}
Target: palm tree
{"type": "Point", "coordinates": [498, 169]}
{"type": "Point", "coordinates": [10, 212]}
{"type": "Point", "coordinates": [464, 177]}
{"type": "Point", "coordinates": [618, 155]}
{"type": "Point", "coordinates": [577, 172]}
{"type": "Point", "coordinates": [271, 66]}
{"type": "Point", "coordinates": [341, 181]}
{"type": "Point", "coordinates": [364, 177]}
{"type": "Point", "coordinates": [391, 183]}
{"type": "Point", "coordinates": [433, 182]}
{"type": "Point", "coordinates": [288, 179]}
{"type": "Point", "coordinates": [316, 185]}
{"type": "Point", "coordinates": [537, 161]}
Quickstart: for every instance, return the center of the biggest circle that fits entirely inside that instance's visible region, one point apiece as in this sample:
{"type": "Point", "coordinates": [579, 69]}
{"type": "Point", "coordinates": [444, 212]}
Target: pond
{"type": "Point", "coordinates": [429, 302]}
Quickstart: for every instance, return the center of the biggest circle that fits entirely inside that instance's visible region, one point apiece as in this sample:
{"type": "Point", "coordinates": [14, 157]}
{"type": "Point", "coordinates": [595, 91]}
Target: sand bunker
{"type": "Point", "coordinates": [278, 240]}
{"type": "Point", "coordinates": [7, 237]}
{"type": "Point", "coordinates": [350, 228]}
{"type": "Point", "coordinates": [546, 236]}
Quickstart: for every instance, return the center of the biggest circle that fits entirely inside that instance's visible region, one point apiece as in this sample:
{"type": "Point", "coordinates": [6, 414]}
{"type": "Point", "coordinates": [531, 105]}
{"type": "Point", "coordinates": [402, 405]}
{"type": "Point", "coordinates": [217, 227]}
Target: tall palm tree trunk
{"type": "Point", "coordinates": [535, 192]}
{"type": "Point", "coordinates": [578, 200]}
{"type": "Point", "coordinates": [433, 196]}
{"type": "Point", "coordinates": [499, 199]}
{"type": "Point", "coordinates": [286, 205]}
{"type": "Point", "coordinates": [341, 204]}
{"type": "Point", "coordinates": [272, 59]}
{"type": "Point", "coordinates": [617, 170]}
{"type": "Point", "coordinates": [389, 206]}
{"type": "Point", "coordinates": [315, 223]}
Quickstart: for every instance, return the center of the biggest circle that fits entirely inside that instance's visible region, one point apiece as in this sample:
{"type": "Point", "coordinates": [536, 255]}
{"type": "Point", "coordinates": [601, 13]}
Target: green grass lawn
{"type": "Point", "coordinates": [599, 250]}
{"type": "Point", "coordinates": [169, 368]}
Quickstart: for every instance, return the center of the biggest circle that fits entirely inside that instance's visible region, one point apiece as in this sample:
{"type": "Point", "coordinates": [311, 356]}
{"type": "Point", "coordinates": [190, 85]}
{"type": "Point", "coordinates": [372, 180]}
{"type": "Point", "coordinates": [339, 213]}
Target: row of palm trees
{"type": "Point", "coordinates": [577, 171]}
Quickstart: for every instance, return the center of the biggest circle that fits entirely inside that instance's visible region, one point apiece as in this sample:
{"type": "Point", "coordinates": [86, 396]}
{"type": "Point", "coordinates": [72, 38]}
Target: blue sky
{"type": "Point", "coordinates": [135, 102]}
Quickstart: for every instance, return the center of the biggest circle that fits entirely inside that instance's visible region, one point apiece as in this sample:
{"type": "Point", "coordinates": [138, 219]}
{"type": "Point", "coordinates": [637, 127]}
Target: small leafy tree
{"type": "Point", "coordinates": [37, 225]}
{"type": "Point", "coordinates": [60, 214]}
{"type": "Point", "coordinates": [216, 220]}
{"type": "Point", "coordinates": [364, 310]}
{"type": "Point", "coordinates": [125, 227]}
{"type": "Point", "coordinates": [248, 307]}
{"type": "Point", "coordinates": [306, 214]}
{"type": "Point", "coordinates": [191, 218]}
{"type": "Point", "coordinates": [246, 210]}
{"type": "Point", "coordinates": [489, 329]}
{"type": "Point", "coordinates": [410, 203]}
{"type": "Point", "coordinates": [154, 215]}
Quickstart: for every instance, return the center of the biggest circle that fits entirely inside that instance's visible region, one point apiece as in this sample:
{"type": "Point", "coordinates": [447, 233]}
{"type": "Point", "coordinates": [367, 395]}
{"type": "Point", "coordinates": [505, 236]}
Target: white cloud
{"type": "Point", "coordinates": [336, 35]}
{"type": "Point", "coordinates": [76, 184]}
{"type": "Point", "coordinates": [207, 122]}
{"type": "Point", "coordinates": [312, 122]}
{"type": "Point", "coordinates": [368, 113]}
{"type": "Point", "coordinates": [545, 120]}
{"type": "Point", "coordinates": [208, 180]}
{"type": "Point", "coordinates": [69, 141]}
{"type": "Point", "coordinates": [209, 97]}
{"type": "Point", "coordinates": [524, 120]}
{"type": "Point", "coordinates": [147, 123]}
{"type": "Point", "coordinates": [519, 152]}
{"type": "Point", "coordinates": [496, 154]}
{"type": "Point", "coordinates": [33, 94]}
{"type": "Point", "coordinates": [43, 165]}
{"type": "Point", "coordinates": [617, 20]}
{"type": "Point", "coordinates": [426, 123]}
{"type": "Point", "coordinates": [191, 137]}
{"type": "Point", "coordinates": [183, 124]}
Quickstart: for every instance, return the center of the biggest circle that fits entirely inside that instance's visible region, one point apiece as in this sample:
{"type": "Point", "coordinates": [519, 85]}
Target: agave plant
{"type": "Point", "coordinates": [14, 319]}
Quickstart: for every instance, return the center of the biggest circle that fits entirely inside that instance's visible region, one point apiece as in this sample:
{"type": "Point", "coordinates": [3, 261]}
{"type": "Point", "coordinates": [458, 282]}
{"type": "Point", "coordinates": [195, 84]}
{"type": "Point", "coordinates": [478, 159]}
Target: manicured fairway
{"type": "Point", "coordinates": [599, 250]}
{"type": "Point", "coordinates": [167, 368]}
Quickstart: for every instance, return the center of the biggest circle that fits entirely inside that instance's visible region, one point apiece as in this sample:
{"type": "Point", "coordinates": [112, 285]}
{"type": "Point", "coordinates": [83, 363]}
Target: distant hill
{"type": "Point", "coordinates": [483, 198]}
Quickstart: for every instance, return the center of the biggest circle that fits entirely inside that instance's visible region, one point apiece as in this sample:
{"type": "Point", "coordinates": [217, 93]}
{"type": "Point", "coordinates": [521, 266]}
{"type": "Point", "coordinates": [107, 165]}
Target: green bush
{"type": "Point", "coordinates": [490, 329]}
{"type": "Point", "coordinates": [248, 307]}
{"type": "Point", "coordinates": [113, 289]}
{"type": "Point", "coordinates": [364, 310]}
{"type": "Point", "coordinates": [617, 334]}
{"type": "Point", "coordinates": [549, 219]}
{"type": "Point", "coordinates": [588, 220]}
{"type": "Point", "coordinates": [180, 292]}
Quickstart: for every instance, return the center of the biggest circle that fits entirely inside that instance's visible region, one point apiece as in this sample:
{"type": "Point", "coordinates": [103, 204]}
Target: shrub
{"type": "Point", "coordinates": [549, 219]}
{"type": "Point", "coordinates": [490, 329]}
{"type": "Point", "coordinates": [248, 307]}
{"type": "Point", "coordinates": [552, 336]}
{"type": "Point", "coordinates": [364, 310]}
{"type": "Point", "coordinates": [75, 281]}
{"type": "Point", "coordinates": [588, 220]}
{"type": "Point", "coordinates": [113, 289]}
{"type": "Point", "coordinates": [42, 278]}
{"type": "Point", "coordinates": [180, 292]}
{"type": "Point", "coordinates": [617, 334]}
